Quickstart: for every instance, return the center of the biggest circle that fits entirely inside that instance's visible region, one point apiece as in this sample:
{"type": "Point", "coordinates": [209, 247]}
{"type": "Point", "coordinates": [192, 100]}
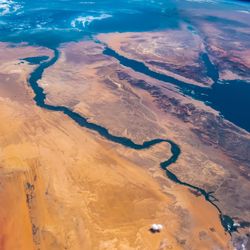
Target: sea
{"type": "Point", "coordinates": [50, 23]}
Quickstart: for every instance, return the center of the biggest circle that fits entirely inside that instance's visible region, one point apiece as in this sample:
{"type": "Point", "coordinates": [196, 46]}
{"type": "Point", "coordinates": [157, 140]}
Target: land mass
{"type": "Point", "coordinates": [66, 187]}
{"type": "Point", "coordinates": [104, 85]}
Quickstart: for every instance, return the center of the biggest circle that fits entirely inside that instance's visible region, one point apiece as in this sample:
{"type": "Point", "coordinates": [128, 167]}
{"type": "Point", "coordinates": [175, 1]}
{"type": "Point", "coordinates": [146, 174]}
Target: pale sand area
{"type": "Point", "coordinates": [64, 187]}
{"type": "Point", "coordinates": [72, 191]}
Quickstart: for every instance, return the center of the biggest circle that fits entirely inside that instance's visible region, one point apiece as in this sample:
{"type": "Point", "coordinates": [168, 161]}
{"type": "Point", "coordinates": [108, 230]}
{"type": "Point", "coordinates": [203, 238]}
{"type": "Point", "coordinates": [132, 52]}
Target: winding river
{"type": "Point", "coordinates": [40, 100]}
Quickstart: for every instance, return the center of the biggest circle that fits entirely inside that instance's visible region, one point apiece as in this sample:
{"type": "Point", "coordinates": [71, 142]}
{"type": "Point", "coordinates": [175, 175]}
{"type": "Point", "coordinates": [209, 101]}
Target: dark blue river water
{"type": "Point", "coordinates": [40, 98]}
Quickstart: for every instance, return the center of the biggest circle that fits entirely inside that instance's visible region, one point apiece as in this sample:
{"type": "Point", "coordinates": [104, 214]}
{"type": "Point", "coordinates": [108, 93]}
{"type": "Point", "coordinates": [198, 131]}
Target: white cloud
{"type": "Point", "coordinates": [8, 7]}
{"type": "Point", "coordinates": [83, 21]}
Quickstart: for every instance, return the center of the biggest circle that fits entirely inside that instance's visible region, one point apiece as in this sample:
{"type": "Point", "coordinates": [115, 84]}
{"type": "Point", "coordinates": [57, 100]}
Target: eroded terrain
{"type": "Point", "coordinates": [226, 41]}
{"type": "Point", "coordinates": [180, 53]}
{"type": "Point", "coordinates": [215, 153]}
{"type": "Point", "coordinates": [65, 187]}
{"type": "Point", "coordinates": [167, 52]}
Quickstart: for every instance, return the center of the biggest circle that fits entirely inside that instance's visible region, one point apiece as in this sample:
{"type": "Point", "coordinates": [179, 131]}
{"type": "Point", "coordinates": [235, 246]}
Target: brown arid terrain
{"type": "Point", "coordinates": [178, 53]}
{"type": "Point", "coordinates": [167, 52]}
{"type": "Point", "coordinates": [66, 187]}
{"type": "Point", "coordinates": [228, 44]}
{"type": "Point", "coordinates": [215, 153]}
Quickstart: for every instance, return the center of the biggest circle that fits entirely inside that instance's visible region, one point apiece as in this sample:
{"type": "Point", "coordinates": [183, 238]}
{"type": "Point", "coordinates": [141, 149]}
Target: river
{"type": "Point", "coordinates": [40, 100]}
